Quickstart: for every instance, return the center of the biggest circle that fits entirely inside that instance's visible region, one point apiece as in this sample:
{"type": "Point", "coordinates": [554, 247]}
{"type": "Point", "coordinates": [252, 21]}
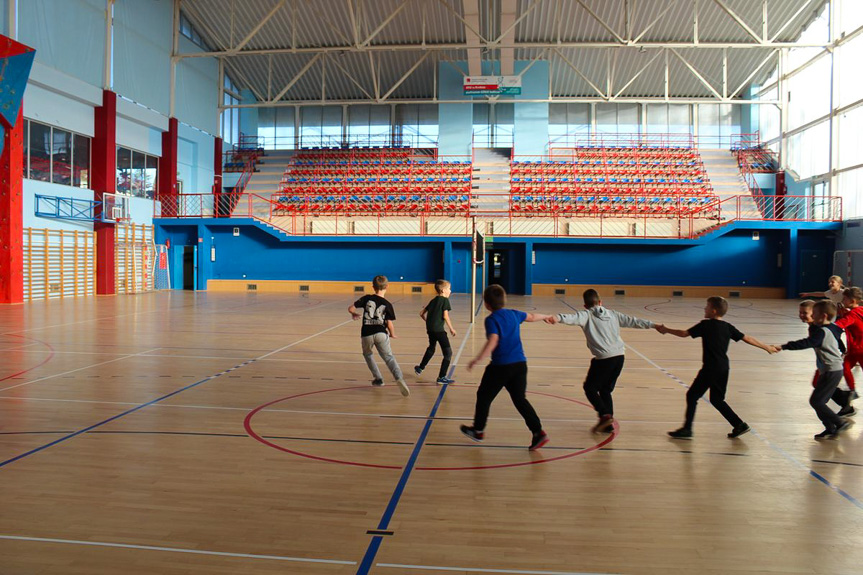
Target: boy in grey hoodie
{"type": "Point", "coordinates": [824, 338]}
{"type": "Point", "coordinates": [602, 330]}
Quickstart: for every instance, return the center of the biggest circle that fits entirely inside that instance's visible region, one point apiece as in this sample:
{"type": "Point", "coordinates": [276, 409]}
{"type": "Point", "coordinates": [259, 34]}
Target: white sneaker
{"type": "Point", "coordinates": [403, 387]}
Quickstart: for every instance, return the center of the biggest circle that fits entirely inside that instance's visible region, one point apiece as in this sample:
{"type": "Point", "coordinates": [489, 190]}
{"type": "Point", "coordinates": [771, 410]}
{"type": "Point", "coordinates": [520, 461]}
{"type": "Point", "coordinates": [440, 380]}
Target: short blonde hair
{"type": "Point", "coordinates": [441, 285]}
{"type": "Point", "coordinates": [837, 278]}
{"type": "Point", "coordinates": [807, 303]}
{"type": "Point", "coordinates": [380, 283]}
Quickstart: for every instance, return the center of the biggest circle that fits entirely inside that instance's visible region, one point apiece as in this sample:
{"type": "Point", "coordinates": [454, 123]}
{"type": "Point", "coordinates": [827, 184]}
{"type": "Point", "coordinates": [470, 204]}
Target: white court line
{"type": "Point", "coordinates": [176, 550]}
{"type": "Point", "coordinates": [79, 369]}
{"type": "Point", "coordinates": [480, 570]}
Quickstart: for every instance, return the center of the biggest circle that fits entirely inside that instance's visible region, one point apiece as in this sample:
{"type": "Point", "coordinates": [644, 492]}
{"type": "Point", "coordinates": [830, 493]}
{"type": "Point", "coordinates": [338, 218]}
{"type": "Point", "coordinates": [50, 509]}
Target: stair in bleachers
{"type": "Point", "coordinates": [264, 181]}
{"type": "Point", "coordinates": [491, 180]}
{"type": "Point", "coordinates": [726, 179]}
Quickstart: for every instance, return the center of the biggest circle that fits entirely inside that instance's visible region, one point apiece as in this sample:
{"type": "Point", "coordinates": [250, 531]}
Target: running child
{"type": "Point", "coordinates": [715, 334]}
{"type": "Point", "coordinates": [436, 316]}
{"type": "Point", "coordinates": [378, 315]}
{"type": "Point", "coordinates": [824, 338]}
{"type": "Point", "coordinates": [852, 323]}
{"type": "Point", "coordinates": [508, 367]}
{"type": "Point", "coordinates": [834, 291]}
{"type": "Point", "coordinates": [841, 397]}
{"type": "Point", "coordinates": [602, 330]}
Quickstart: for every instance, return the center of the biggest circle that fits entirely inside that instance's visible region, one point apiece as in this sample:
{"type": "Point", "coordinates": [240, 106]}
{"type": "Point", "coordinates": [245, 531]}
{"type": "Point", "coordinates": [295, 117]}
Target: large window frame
{"type": "Point", "coordinates": [142, 173]}
{"type": "Point", "coordinates": [79, 173]}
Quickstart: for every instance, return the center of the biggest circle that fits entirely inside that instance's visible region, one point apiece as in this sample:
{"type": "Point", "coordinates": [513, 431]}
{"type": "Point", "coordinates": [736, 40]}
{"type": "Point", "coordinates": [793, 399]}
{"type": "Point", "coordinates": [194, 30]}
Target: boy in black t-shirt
{"type": "Point", "coordinates": [715, 335]}
{"type": "Point", "coordinates": [378, 315]}
{"type": "Point", "coordinates": [436, 316]}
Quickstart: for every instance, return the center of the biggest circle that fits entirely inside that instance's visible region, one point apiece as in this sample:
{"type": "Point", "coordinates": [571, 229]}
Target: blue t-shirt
{"type": "Point", "coordinates": [506, 324]}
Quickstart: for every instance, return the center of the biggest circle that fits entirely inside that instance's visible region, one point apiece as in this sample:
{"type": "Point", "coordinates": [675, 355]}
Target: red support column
{"type": "Point", "coordinates": [104, 160]}
{"type": "Point", "coordinates": [12, 213]}
{"type": "Point", "coordinates": [218, 186]}
{"type": "Point", "coordinates": [168, 171]}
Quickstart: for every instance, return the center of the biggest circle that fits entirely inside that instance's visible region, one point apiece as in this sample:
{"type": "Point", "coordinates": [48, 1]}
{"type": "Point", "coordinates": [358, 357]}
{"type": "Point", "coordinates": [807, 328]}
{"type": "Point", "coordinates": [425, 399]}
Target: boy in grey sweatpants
{"type": "Point", "coordinates": [602, 330]}
{"type": "Point", "coordinates": [824, 338]}
{"type": "Point", "coordinates": [378, 315]}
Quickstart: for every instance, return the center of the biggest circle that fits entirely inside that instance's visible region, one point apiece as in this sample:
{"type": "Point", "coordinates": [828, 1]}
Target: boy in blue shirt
{"type": "Point", "coordinates": [508, 367]}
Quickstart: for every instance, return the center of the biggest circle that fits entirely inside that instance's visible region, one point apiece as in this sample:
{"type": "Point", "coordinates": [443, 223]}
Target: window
{"type": "Point", "coordinates": [56, 155]}
{"type": "Point", "coordinates": [417, 125]}
{"type": "Point", "coordinates": [231, 116]}
{"type": "Point", "coordinates": [137, 173]}
{"type": "Point", "coordinates": [187, 30]}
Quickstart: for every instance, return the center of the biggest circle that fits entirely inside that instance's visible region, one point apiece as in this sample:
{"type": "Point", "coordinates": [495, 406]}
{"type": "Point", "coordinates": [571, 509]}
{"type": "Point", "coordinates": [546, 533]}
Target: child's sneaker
{"type": "Point", "coordinates": [444, 380]}
{"type": "Point", "coordinates": [847, 411]}
{"type": "Point", "coordinates": [606, 422]}
{"type": "Point", "coordinates": [739, 430]}
{"type": "Point", "coordinates": [539, 439]}
{"type": "Point", "coordinates": [378, 382]}
{"type": "Point", "coordinates": [472, 433]}
{"type": "Point", "coordinates": [681, 433]}
{"type": "Point", "coordinates": [846, 423]}
{"type": "Point", "coordinates": [403, 387]}
{"type": "Point", "coordinates": [826, 434]}
{"type": "Point", "coordinates": [418, 370]}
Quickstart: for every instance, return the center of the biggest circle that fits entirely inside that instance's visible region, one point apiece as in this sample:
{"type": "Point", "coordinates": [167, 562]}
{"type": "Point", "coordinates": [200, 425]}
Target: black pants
{"type": "Point", "coordinates": [600, 381]}
{"type": "Point", "coordinates": [825, 388]}
{"type": "Point", "coordinates": [436, 337]}
{"type": "Point", "coordinates": [717, 383]}
{"type": "Point", "coordinates": [513, 377]}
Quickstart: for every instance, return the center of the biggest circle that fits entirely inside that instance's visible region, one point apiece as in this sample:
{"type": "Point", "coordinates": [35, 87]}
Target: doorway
{"type": "Point", "coordinates": [814, 269]}
{"type": "Point", "coordinates": [505, 266]}
{"type": "Point", "coordinates": [189, 253]}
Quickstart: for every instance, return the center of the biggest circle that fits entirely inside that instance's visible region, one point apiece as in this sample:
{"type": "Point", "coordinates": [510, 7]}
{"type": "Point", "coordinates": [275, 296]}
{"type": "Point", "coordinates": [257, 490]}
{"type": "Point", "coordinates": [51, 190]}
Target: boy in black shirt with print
{"type": "Point", "coordinates": [378, 315]}
{"type": "Point", "coordinates": [436, 316]}
{"type": "Point", "coordinates": [715, 335]}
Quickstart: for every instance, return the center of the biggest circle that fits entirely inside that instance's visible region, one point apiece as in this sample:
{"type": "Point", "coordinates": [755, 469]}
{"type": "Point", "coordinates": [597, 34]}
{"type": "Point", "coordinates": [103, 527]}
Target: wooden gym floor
{"type": "Point", "coordinates": [181, 433]}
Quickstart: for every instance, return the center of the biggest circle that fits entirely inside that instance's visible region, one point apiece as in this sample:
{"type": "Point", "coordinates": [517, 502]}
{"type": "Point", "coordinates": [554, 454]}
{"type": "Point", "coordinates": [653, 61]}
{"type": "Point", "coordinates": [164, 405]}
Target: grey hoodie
{"type": "Point", "coordinates": [602, 329]}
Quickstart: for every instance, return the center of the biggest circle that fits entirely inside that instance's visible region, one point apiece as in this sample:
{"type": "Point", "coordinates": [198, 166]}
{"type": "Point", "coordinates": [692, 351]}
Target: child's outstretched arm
{"type": "Point", "coordinates": [354, 313]}
{"type": "Point", "coordinates": [578, 318]}
{"type": "Point", "coordinates": [755, 343]}
{"type": "Point", "coordinates": [448, 323]}
{"type": "Point", "coordinates": [678, 332]}
{"type": "Point", "coordinates": [634, 322]}
{"type": "Point", "coordinates": [538, 317]}
{"type": "Point", "coordinates": [815, 339]}
{"type": "Point", "coordinates": [489, 346]}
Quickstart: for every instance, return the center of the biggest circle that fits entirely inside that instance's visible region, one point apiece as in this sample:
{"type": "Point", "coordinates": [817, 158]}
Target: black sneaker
{"type": "Point", "coordinates": [444, 380]}
{"type": "Point", "coordinates": [378, 382]}
{"type": "Point", "coordinates": [605, 425]}
{"type": "Point", "coordinates": [739, 430]}
{"type": "Point", "coordinates": [539, 439]}
{"type": "Point", "coordinates": [681, 433]}
{"type": "Point", "coordinates": [472, 433]}
{"type": "Point", "coordinates": [418, 370]}
{"type": "Point", "coordinates": [826, 434]}
{"type": "Point", "coordinates": [847, 411]}
{"type": "Point", "coordinates": [846, 423]}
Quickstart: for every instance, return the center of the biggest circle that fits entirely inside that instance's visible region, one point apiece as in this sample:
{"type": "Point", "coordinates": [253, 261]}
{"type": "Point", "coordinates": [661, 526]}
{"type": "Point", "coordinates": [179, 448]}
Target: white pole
{"type": "Point", "coordinates": [473, 274]}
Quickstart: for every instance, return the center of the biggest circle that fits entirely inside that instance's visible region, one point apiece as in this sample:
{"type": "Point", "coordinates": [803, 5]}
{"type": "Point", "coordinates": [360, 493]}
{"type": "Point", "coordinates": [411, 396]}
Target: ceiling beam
{"type": "Point", "coordinates": [473, 41]}
{"type": "Point", "coordinates": [385, 23]}
{"type": "Point", "coordinates": [568, 100]}
{"type": "Point", "coordinates": [296, 78]}
{"type": "Point", "coordinates": [637, 74]}
{"type": "Point", "coordinates": [748, 79]}
{"type": "Point", "coordinates": [739, 21]}
{"type": "Point", "coordinates": [350, 77]}
{"type": "Point", "coordinates": [671, 4]}
{"type": "Point", "coordinates": [260, 25]}
{"type": "Point", "coordinates": [698, 75]}
{"type": "Point", "coordinates": [579, 72]}
{"type": "Point", "coordinates": [516, 45]}
{"type": "Point", "coordinates": [405, 76]}
{"type": "Point", "coordinates": [507, 25]}
{"type": "Point", "coordinates": [602, 23]}
{"type": "Point", "coordinates": [782, 28]}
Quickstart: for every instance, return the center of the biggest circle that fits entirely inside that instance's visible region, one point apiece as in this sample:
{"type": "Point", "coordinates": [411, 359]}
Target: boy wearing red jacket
{"type": "Point", "coordinates": [852, 323]}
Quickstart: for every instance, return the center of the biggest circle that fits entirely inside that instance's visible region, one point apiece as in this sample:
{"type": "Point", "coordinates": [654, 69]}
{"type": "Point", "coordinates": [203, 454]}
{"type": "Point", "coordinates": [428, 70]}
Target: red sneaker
{"type": "Point", "coordinates": [539, 439]}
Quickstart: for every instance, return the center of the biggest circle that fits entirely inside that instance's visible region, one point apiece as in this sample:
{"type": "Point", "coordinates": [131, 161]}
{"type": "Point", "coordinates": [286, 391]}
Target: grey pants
{"type": "Point", "coordinates": [824, 389]}
{"type": "Point", "coordinates": [381, 341]}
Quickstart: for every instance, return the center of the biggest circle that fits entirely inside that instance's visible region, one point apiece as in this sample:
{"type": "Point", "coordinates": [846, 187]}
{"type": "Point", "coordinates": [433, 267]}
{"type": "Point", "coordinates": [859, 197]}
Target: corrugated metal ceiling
{"type": "Point", "coordinates": [350, 72]}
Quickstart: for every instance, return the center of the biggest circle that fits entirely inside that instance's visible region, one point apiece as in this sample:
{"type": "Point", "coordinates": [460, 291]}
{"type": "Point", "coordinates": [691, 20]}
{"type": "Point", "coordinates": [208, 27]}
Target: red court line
{"type": "Point", "coordinates": [247, 424]}
{"type": "Point", "coordinates": [40, 364]}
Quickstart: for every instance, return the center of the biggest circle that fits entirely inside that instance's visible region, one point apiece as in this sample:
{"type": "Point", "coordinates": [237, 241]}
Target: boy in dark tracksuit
{"type": "Point", "coordinates": [508, 367]}
{"type": "Point", "coordinates": [436, 316]}
{"type": "Point", "coordinates": [824, 338]}
{"type": "Point", "coordinates": [715, 335]}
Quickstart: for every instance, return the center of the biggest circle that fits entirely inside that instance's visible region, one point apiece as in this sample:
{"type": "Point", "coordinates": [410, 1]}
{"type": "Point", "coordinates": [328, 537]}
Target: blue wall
{"type": "Point", "coordinates": [734, 259]}
{"type": "Point", "coordinates": [455, 121]}
{"type": "Point", "coordinates": [531, 120]}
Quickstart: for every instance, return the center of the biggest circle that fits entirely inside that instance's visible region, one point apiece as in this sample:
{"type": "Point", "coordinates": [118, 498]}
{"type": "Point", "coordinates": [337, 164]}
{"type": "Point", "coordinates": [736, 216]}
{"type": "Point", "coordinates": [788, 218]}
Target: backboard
{"type": "Point", "coordinates": [115, 208]}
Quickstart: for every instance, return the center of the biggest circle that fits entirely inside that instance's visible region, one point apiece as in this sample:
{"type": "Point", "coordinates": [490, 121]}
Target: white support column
{"type": "Point", "coordinates": [220, 95]}
{"type": "Point", "coordinates": [345, 123]}
{"type": "Point", "coordinates": [12, 18]}
{"type": "Point", "coordinates": [297, 126]}
{"type": "Point", "coordinates": [109, 42]}
{"type": "Point", "coordinates": [393, 131]}
{"type": "Point", "coordinates": [833, 161]}
{"type": "Point", "coordinates": [175, 49]}
{"type": "Point", "coordinates": [783, 109]}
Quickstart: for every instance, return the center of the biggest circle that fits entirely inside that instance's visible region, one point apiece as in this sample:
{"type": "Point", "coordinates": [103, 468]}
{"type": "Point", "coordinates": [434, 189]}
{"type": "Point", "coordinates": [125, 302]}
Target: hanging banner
{"type": "Point", "coordinates": [492, 85]}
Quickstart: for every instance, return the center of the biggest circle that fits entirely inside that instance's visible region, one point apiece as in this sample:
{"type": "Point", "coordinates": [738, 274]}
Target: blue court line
{"type": "Point", "coordinates": [375, 543]}
{"type": "Point", "coordinates": [157, 400]}
{"type": "Point", "coordinates": [118, 416]}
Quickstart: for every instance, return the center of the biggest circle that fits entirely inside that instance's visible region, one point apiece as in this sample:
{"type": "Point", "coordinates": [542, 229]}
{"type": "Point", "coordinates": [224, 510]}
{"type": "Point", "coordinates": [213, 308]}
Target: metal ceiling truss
{"type": "Point", "coordinates": [358, 35]}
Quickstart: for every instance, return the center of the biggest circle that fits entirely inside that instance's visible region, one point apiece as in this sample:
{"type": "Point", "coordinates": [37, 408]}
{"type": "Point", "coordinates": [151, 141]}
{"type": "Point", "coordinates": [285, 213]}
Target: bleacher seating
{"type": "Point", "coordinates": [385, 181]}
{"type": "Point", "coordinates": [625, 181]}
{"type": "Point", "coordinates": [757, 159]}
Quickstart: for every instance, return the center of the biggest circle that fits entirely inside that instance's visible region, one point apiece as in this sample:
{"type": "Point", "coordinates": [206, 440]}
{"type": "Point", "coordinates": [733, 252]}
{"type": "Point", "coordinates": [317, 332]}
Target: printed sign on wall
{"type": "Point", "coordinates": [492, 85]}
